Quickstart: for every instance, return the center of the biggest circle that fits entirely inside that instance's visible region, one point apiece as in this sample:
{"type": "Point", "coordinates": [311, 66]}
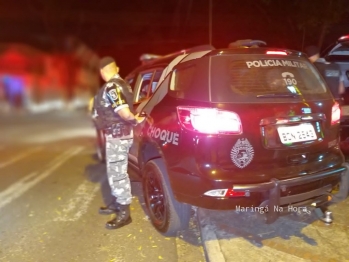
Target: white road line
{"type": "Point", "coordinates": [20, 187]}
{"type": "Point", "coordinates": [19, 157]}
{"type": "Point", "coordinates": [78, 204]}
{"type": "Point", "coordinates": [60, 135]}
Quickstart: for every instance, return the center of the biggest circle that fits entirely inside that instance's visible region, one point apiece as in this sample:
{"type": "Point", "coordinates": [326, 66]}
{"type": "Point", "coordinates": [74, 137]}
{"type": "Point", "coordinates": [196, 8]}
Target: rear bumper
{"type": "Point", "coordinates": [273, 194]}
{"type": "Point", "coordinates": [275, 201]}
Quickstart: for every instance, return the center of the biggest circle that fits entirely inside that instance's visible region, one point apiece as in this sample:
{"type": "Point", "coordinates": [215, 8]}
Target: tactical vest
{"type": "Point", "coordinates": [107, 118]}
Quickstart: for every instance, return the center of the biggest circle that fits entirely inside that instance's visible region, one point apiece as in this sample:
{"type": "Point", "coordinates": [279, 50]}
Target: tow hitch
{"type": "Point", "coordinates": [324, 217]}
{"type": "Point", "coordinates": [277, 203]}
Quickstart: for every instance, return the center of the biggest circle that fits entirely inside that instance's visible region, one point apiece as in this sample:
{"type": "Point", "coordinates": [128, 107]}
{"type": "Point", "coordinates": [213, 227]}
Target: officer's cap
{"type": "Point", "coordinates": [107, 60]}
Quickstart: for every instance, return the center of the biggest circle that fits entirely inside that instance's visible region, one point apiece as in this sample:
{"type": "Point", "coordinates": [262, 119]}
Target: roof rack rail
{"type": "Point", "coordinates": [191, 50]}
{"type": "Point", "coordinates": [246, 43]}
{"type": "Point", "coordinates": [146, 58]}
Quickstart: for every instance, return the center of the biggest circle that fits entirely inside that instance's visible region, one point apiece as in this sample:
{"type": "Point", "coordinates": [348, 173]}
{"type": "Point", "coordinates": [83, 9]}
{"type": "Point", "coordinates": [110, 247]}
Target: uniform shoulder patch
{"type": "Point", "coordinates": [242, 153]}
{"type": "Point", "coordinates": [112, 93]}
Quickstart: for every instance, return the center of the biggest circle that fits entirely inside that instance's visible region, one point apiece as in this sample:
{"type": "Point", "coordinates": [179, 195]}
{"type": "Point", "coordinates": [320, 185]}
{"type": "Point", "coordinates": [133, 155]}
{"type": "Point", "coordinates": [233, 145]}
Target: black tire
{"type": "Point", "coordinates": [166, 214]}
{"type": "Point", "coordinates": [100, 145]}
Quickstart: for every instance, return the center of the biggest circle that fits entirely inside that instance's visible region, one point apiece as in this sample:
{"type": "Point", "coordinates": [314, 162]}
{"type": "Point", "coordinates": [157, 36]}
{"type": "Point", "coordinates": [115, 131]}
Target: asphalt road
{"type": "Point", "coordinates": [51, 187]}
{"type": "Point", "coordinates": [50, 191]}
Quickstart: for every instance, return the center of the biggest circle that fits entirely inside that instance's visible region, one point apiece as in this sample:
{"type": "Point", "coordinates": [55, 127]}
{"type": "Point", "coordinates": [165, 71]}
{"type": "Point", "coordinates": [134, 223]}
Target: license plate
{"type": "Point", "coordinates": [345, 110]}
{"type": "Point", "coordinates": [300, 133]}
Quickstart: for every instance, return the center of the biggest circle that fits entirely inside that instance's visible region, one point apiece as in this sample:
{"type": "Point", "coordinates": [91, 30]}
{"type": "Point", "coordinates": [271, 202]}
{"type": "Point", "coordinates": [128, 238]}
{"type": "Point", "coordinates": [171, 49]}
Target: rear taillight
{"type": "Point", "coordinates": [336, 114]}
{"type": "Point", "coordinates": [209, 120]}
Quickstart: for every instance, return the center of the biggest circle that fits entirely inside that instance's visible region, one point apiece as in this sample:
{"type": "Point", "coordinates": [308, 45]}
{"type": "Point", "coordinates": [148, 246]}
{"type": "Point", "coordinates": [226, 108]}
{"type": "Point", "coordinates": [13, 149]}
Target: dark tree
{"type": "Point", "coordinates": [310, 19]}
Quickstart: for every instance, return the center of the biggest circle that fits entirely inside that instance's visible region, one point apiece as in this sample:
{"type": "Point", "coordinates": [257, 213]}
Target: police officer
{"type": "Point", "coordinates": [113, 113]}
{"type": "Point", "coordinates": [330, 72]}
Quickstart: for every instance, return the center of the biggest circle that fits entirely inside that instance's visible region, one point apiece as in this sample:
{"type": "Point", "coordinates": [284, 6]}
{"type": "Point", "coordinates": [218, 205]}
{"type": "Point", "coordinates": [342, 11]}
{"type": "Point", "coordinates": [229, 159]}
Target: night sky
{"type": "Point", "coordinates": [127, 29]}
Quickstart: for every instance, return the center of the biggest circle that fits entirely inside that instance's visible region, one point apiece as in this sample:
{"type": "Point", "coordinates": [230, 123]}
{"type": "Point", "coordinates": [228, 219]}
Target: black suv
{"type": "Point", "coordinates": [235, 128]}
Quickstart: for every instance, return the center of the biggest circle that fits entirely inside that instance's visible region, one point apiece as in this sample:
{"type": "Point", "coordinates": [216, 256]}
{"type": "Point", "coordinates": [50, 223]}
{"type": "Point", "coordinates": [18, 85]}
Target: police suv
{"type": "Point", "coordinates": [232, 128]}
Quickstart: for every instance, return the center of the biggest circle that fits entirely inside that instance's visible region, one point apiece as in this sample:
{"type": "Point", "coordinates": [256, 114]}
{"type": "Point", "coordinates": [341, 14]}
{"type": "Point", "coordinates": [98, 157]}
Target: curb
{"type": "Point", "coordinates": [212, 248]}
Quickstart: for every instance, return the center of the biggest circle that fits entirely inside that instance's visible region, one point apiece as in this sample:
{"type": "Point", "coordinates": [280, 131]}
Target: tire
{"type": "Point", "coordinates": [100, 146]}
{"type": "Point", "coordinates": [166, 214]}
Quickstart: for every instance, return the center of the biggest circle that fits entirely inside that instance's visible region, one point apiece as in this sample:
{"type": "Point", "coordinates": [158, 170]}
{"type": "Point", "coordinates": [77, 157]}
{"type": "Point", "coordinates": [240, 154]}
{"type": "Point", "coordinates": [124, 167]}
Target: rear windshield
{"type": "Point", "coordinates": [340, 53]}
{"type": "Point", "coordinates": [341, 50]}
{"type": "Point", "coordinates": [253, 77]}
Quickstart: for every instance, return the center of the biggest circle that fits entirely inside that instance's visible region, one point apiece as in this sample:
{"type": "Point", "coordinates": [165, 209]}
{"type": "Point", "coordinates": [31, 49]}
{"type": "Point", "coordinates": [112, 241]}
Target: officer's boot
{"type": "Point", "coordinates": [123, 218]}
{"type": "Point", "coordinates": [109, 209]}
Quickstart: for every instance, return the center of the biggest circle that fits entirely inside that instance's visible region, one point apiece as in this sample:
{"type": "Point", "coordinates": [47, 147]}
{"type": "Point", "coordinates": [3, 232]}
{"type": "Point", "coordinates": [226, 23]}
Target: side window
{"type": "Point", "coordinates": [146, 84]}
{"type": "Point", "coordinates": [142, 86]}
{"type": "Point", "coordinates": [342, 50]}
{"type": "Point", "coordinates": [181, 80]}
{"type": "Point", "coordinates": [155, 81]}
{"type": "Point", "coordinates": [159, 94]}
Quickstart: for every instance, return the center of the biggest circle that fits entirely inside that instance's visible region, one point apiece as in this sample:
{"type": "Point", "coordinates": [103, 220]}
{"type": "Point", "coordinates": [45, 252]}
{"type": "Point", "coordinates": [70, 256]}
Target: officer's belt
{"type": "Point", "coordinates": [119, 130]}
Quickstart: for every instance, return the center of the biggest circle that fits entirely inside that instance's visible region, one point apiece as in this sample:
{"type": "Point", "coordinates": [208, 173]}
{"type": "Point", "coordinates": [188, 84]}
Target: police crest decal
{"type": "Point", "coordinates": [242, 153]}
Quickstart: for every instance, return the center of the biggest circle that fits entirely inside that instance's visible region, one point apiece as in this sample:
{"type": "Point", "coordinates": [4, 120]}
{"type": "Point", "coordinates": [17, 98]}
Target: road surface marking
{"type": "Point", "coordinates": [23, 185]}
{"type": "Point", "coordinates": [19, 157]}
{"type": "Point", "coordinates": [78, 204]}
{"type": "Point", "coordinates": [55, 136]}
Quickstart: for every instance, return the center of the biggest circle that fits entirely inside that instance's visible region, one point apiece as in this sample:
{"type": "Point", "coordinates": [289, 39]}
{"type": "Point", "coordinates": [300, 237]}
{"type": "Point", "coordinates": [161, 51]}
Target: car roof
{"type": "Point", "coordinates": [151, 60]}
{"type": "Point", "coordinates": [259, 50]}
{"type": "Point", "coordinates": [171, 60]}
{"type": "Point", "coordinates": [246, 46]}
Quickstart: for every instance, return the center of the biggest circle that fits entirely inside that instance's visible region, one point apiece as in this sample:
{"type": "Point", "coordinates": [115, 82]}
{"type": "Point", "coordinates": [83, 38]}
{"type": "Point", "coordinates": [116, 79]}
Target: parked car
{"type": "Point", "coordinates": [233, 129]}
{"type": "Point", "coordinates": [339, 53]}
